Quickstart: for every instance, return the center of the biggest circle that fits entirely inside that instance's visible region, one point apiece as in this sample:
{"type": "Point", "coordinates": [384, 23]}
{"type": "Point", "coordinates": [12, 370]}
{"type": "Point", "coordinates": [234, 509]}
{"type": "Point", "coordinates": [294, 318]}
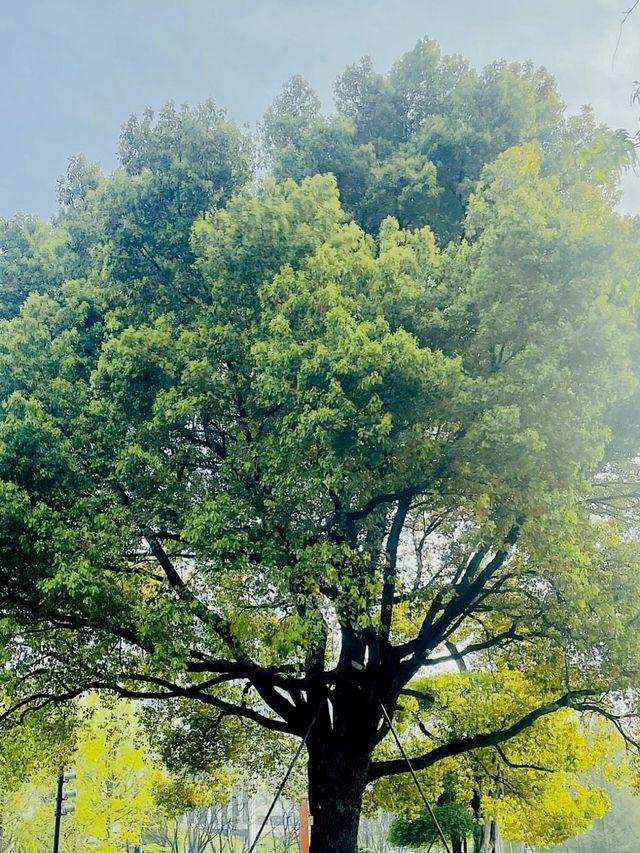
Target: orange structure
{"type": "Point", "coordinates": [304, 824]}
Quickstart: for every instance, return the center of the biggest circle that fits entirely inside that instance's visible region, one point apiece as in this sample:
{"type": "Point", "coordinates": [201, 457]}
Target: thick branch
{"type": "Point", "coordinates": [421, 695]}
{"type": "Point", "coordinates": [40, 700]}
{"type": "Point", "coordinates": [391, 562]}
{"type": "Point", "coordinates": [436, 629]}
{"type": "Point", "coordinates": [459, 746]}
{"type": "Point", "coordinates": [264, 680]}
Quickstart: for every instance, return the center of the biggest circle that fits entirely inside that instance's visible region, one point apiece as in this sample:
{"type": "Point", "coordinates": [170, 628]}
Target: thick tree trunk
{"type": "Point", "coordinates": [487, 838]}
{"type": "Point", "coordinates": [337, 773]}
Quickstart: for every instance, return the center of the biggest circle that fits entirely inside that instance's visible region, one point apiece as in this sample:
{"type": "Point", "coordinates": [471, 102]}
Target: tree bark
{"type": "Point", "coordinates": [487, 838]}
{"type": "Point", "coordinates": [337, 773]}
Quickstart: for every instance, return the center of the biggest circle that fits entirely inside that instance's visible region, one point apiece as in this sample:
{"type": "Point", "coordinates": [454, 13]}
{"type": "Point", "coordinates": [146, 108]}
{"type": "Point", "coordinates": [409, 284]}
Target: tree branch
{"type": "Point", "coordinates": [516, 766]}
{"type": "Point", "coordinates": [40, 700]}
{"type": "Point", "coordinates": [376, 501]}
{"type": "Point", "coordinates": [596, 709]}
{"type": "Point", "coordinates": [435, 629]}
{"type": "Point", "coordinates": [458, 655]}
{"type": "Point", "coordinates": [391, 562]}
{"type": "Point", "coordinates": [206, 616]}
{"type": "Point", "coordinates": [459, 746]}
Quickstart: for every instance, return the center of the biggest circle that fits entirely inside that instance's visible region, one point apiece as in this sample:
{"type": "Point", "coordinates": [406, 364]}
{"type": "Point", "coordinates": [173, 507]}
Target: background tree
{"type": "Point", "coordinates": [115, 786]}
{"type": "Point", "coordinates": [123, 793]}
{"type": "Point", "coordinates": [454, 821]}
{"type": "Point", "coordinates": [220, 436]}
{"type": "Point", "coordinates": [536, 789]}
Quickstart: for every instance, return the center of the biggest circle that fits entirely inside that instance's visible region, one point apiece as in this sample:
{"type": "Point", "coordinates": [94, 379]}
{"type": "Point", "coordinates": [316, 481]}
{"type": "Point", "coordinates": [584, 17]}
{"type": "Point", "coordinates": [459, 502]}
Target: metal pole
{"type": "Point", "coordinates": [56, 831]}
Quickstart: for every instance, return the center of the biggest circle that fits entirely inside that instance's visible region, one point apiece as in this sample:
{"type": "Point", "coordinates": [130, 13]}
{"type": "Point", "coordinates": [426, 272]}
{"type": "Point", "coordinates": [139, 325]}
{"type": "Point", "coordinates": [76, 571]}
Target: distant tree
{"type": "Point", "coordinates": [115, 784]}
{"type": "Point", "coordinates": [536, 789]}
{"type": "Point", "coordinates": [122, 791]}
{"type": "Point", "coordinates": [293, 113]}
{"type": "Point", "coordinates": [454, 820]}
{"type": "Point", "coordinates": [80, 179]}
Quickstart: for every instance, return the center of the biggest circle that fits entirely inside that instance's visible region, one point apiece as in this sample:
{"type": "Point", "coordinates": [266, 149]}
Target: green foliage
{"type": "Point", "coordinates": [456, 822]}
{"type": "Point", "coordinates": [81, 178]}
{"type": "Point", "coordinates": [293, 112]}
{"type": "Point", "coordinates": [32, 258]}
{"type": "Point", "coordinates": [413, 144]}
{"type": "Point", "coordinates": [247, 443]}
{"type": "Point", "coordinates": [37, 746]}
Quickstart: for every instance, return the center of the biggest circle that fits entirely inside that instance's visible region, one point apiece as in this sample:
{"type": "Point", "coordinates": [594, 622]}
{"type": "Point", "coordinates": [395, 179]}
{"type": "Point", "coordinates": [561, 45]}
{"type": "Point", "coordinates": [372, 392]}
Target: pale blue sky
{"type": "Point", "coordinates": [71, 71]}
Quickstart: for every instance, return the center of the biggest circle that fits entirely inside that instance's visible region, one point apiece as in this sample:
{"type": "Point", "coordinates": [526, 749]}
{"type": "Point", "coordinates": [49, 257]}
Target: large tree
{"type": "Point", "coordinates": [260, 464]}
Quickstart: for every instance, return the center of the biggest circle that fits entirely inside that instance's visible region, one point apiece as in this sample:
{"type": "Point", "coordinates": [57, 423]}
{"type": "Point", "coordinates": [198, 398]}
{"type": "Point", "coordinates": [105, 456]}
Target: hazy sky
{"type": "Point", "coordinates": [71, 71]}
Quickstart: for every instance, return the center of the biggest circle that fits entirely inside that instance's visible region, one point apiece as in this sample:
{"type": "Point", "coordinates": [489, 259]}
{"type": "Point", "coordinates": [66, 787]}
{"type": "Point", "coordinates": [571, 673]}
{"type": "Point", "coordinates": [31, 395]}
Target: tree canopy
{"type": "Point", "coordinates": [267, 452]}
{"type": "Point", "coordinates": [413, 144]}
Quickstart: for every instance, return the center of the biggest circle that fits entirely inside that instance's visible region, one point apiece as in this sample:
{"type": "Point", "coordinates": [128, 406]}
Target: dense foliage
{"type": "Point", "coordinates": [616, 833]}
{"type": "Point", "coordinates": [413, 144]}
{"type": "Point", "coordinates": [123, 797]}
{"type": "Point", "coordinates": [539, 788]}
{"type": "Point", "coordinates": [267, 452]}
{"type": "Point", "coordinates": [455, 822]}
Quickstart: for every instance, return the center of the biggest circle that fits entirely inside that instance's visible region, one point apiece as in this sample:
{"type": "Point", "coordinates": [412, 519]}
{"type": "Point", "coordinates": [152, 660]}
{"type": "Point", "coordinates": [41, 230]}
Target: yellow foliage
{"type": "Point", "coordinates": [534, 785]}
{"type": "Point", "coordinates": [557, 810]}
{"type": "Point", "coordinates": [115, 784]}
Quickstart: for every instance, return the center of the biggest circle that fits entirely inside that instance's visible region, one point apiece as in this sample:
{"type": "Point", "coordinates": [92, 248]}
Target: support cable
{"type": "Point", "coordinates": [301, 746]}
{"type": "Point", "coordinates": [415, 778]}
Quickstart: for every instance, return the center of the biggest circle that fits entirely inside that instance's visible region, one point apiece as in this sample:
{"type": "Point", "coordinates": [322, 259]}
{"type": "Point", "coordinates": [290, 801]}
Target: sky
{"type": "Point", "coordinates": [72, 71]}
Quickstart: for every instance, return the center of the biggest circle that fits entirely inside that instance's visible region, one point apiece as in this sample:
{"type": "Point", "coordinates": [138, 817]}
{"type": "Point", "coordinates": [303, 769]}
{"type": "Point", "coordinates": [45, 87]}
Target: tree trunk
{"type": "Point", "coordinates": [337, 771]}
{"type": "Point", "coordinates": [487, 838]}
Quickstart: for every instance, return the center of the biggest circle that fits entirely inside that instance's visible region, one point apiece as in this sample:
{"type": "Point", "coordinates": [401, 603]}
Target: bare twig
{"type": "Point", "coordinates": [624, 20]}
